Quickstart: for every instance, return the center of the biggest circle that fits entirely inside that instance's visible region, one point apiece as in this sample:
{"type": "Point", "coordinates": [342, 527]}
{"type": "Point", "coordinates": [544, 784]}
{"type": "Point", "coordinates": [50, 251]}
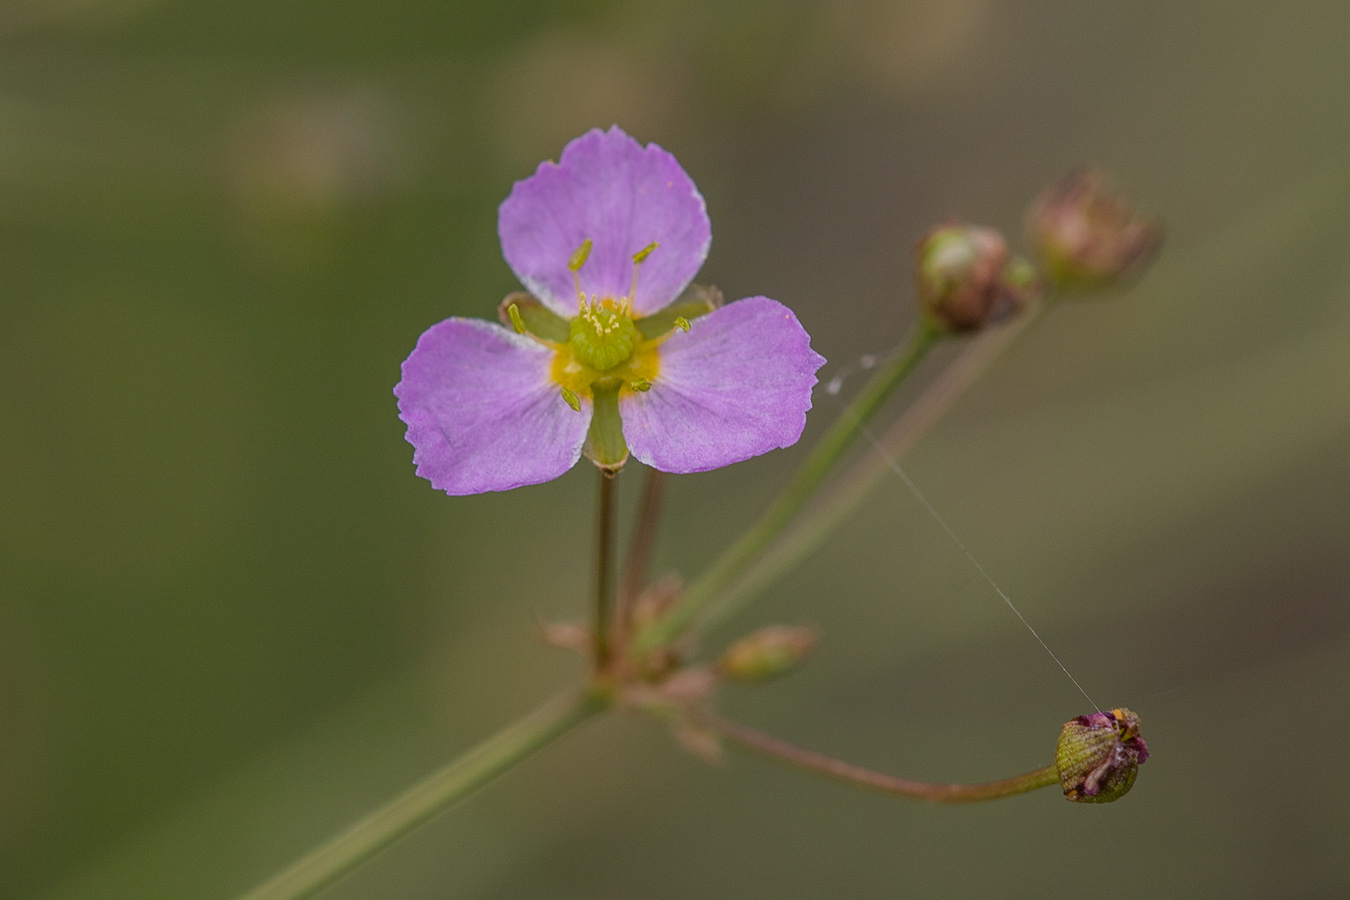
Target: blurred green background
{"type": "Point", "coordinates": [232, 619]}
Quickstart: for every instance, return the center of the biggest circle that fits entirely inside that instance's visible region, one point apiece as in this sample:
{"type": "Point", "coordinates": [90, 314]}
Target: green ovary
{"type": "Point", "coordinates": [602, 335]}
{"type": "Point", "coordinates": [605, 357]}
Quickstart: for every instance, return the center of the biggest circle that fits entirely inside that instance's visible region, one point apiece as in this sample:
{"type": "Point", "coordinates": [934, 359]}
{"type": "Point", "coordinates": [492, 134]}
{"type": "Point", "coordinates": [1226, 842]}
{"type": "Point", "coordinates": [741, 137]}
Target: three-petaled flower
{"type": "Point", "coordinates": [607, 353]}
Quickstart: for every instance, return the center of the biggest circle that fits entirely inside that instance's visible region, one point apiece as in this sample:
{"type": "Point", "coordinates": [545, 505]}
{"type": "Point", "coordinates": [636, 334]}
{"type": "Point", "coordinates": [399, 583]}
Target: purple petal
{"type": "Point", "coordinates": [622, 196]}
{"type": "Point", "coordinates": [483, 411]}
{"type": "Point", "coordinates": [738, 384]}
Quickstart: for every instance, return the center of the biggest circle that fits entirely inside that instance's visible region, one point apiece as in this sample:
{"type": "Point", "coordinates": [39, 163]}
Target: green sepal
{"type": "Point", "coordinates": [537, 318]}
{"type": "Point", "coordinates": [697, 300]}
{"type": "Point", "coordinates": [605, 445]}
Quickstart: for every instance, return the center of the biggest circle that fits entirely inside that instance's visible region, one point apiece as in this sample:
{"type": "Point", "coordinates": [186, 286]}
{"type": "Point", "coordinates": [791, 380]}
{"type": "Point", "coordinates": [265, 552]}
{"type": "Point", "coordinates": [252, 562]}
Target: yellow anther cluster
{"type": "Point", "coordinates": [605, 316]}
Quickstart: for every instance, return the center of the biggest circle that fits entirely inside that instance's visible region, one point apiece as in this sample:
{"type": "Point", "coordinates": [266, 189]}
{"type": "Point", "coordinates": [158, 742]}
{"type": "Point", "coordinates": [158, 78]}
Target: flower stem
{"type": "Point", "coordinates": [604, 552]}
{"type": "Point", "coordinates": [848, 491]}
{"type": "Point", "coordinates": [930, 792]}
{"type": "Point", "coordinates": [794, 496]}
{"type": "Point", "coordinates": [639, 557]}
{"type": "Point", "coordinates": [440, 790]}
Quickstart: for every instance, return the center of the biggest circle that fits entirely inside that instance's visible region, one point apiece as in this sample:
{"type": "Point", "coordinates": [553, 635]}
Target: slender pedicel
{"type": "Point", "coordinates": [604, 550]}
{"type": "Point", "coordinates": [793, 497]}
{"type": "Point", "coordinates": [847, 492]}
{"type": "Point", "coordinates": [931, 792]}
{"type": "Point", "coordinates": [634, 574]}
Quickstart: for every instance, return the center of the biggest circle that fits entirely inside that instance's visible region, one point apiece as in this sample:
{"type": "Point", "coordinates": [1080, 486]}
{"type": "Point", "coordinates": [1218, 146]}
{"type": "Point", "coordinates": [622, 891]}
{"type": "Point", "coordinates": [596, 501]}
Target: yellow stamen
{"type": "Point", "coordinates": [516, 321]}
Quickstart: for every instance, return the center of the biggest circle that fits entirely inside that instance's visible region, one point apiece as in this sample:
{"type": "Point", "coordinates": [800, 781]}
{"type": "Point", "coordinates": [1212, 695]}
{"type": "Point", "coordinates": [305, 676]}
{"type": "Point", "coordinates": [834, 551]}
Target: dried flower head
{"type": "Point", "coordinates": [600, 356]}
{"type": "Point", "coordinates": [966, 278]}
{"type": "Point", "coordinates": [1098, 756]}
{"type": "Point", "coordinates": [1087, 235]}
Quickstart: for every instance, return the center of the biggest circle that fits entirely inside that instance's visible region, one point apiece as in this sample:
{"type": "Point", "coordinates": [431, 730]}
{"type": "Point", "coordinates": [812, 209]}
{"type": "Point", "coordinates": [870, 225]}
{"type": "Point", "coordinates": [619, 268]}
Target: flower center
{"type": "Point", "coordinates": [605, 352]}
{"type": "Point", "coordinates": [603, 334]}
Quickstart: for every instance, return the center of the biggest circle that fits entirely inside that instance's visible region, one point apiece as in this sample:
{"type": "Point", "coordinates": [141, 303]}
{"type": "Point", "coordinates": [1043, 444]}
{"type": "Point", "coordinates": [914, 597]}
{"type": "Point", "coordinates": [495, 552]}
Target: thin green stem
{"type": "Point", "coordinates": [441, 790]}
{"type": "Point", "coordinates": [639, 557]}
{"type": "Point", "coordinates": [604, 553]}
{"type": "Point", "coordinates": [794, 496]}
{"type": "Point", "coordinates": [817, 763]}
{"type": "Point", "coordinates": [846, 493]}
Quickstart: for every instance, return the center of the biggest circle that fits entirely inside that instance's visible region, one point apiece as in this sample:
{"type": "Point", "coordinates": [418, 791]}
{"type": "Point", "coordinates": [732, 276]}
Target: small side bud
{"type": "Point", "coordinates": [645, 252]}
{"type": "Point", "coordinates": [571, 399]}
{"type": "Point", "coordinates": [580, 255]}
{"type": "Point", "coordinates": [966, 278]}
{"type": "Point", "coordinates": [568, 635]}
{"type": "Point", "coordinates": [767, 653]}
{"type": "Point", "coordinates": [655, 601]}
{"type": "Point", "coordinates": [1098, 756]}
{"type": "Point", "coordinates": [1088, 236]}
{"type": "Point", "coordinates": [513, 311]}
{"type": "Point", "coordinates": [702, 742]}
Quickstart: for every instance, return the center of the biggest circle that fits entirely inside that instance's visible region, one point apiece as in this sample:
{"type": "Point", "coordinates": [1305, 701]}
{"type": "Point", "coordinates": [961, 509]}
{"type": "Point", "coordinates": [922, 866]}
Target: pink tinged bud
{"type": "Point", "coordinates": [767, 653]}
{"type": "Point", "coordinates": [1098, 756]}
{"type": "Point", "coordinates": [1088, 236]}
{"type": "Point", "coordinates": [966, 278]}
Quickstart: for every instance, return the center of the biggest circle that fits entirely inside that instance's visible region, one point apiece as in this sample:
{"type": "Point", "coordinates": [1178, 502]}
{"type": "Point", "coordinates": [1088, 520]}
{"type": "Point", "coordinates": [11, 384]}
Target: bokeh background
{"type": "Point", "coordinates": [232, 619]}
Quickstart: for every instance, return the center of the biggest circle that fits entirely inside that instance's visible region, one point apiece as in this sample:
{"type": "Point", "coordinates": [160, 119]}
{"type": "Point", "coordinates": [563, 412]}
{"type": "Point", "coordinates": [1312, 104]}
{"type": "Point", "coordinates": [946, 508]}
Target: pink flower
{"type": "Point", "coordinates": [599, 360]}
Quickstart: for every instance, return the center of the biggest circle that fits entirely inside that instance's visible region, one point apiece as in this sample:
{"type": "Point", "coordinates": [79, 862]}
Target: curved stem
{"type": "Point", "coordinates": [847, 492]}
{"type": "Point", "coordinates": [440, 790]}
{"type": "Point", "coordinates": [794, 496]}
{"type": "Point", "coordinates": [604, 551]}
{"type": "Point", "coordinates": [819, 764]}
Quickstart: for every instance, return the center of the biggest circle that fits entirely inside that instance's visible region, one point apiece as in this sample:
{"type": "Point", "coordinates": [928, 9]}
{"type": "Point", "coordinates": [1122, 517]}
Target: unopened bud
{"type": "Point", "coordinates": [1087, 235]}
{"type": "Point", "coordinates": [768, 652]}
{"type": "Point", "coordinates": [1098, 756]}
{"type": "Point", "coordinates": [966, 278]}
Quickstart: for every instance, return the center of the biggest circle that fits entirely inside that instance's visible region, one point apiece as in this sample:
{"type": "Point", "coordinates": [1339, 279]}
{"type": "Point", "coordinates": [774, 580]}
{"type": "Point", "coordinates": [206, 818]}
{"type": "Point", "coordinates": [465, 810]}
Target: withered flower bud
{"type": "Point", "coordinates": [1088, 236]}
{"type": "Point", "coordinates": [966, 278]}
{"type": "Point", "coordinates": [1099, 755]}
{"type": "Point", "coordinates": [768, 652]}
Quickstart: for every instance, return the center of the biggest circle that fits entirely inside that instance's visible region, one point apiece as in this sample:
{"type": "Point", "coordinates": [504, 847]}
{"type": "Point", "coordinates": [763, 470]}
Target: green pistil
{"type": "Point", "coordinates": [602, 336]}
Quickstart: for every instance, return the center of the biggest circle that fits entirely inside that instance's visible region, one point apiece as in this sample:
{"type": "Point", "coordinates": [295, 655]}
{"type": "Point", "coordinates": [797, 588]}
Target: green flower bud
{"type": "Point", "coordinates": [966, 278]}
{"type": "Point", "coordinates": [768, 652]}
{"type": "Point", "coordinates": [1088, 236]}
{"type": "Point", "coordinates": [1098, 756]}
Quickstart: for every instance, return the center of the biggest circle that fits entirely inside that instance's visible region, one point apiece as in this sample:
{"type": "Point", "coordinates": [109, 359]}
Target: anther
{"type": "Point", "coordinates": [682, 323]}
{"type": "Point", "coordinates": [638, 257]}
{"type": "Point", "coordinates": [645, 252]}
{"type": "Point", "coordinates": [516, 321]}
{"type": "Point", "coordinates": [579, 256]}
{"type": "Point", "coordinates": [571, 399]}
{"type": "Point", "coordinates": [575, 262]}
